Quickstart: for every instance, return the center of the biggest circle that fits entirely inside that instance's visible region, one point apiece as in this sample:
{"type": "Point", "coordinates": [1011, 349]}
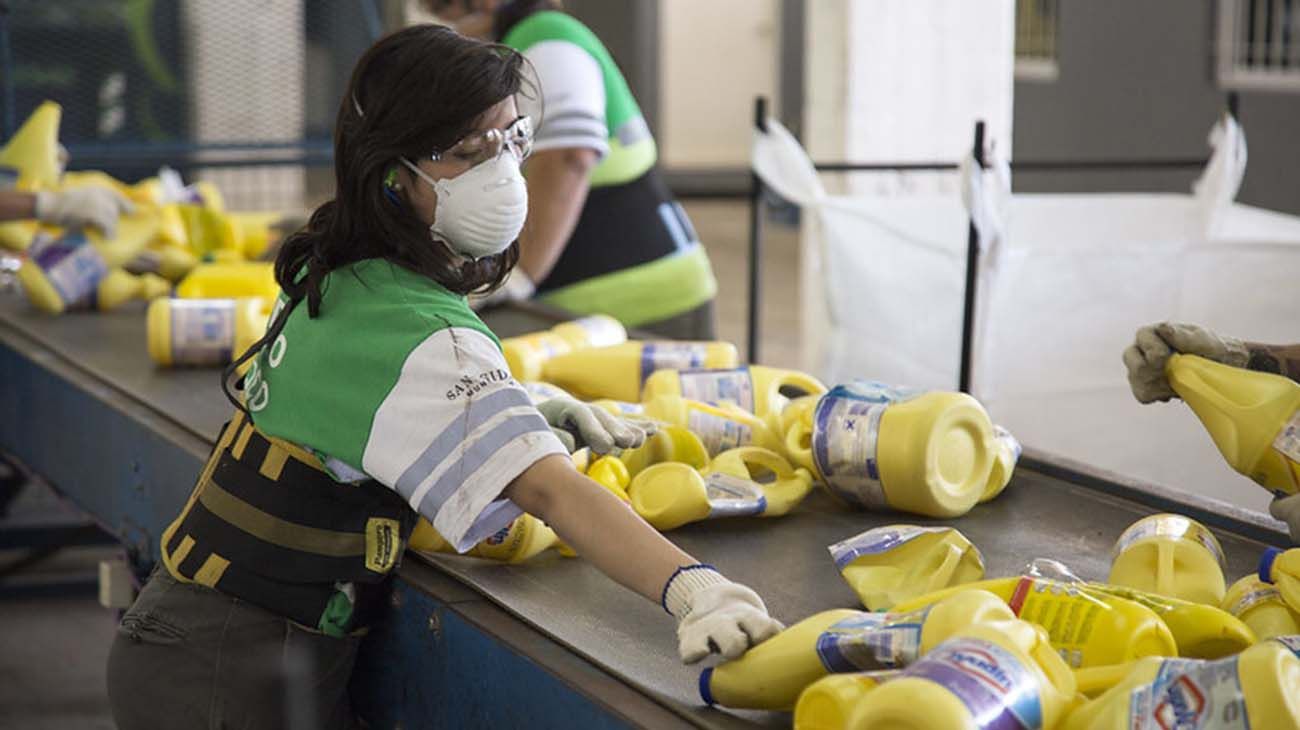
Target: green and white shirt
{"type": "Point", "coordinates": [399, 381]}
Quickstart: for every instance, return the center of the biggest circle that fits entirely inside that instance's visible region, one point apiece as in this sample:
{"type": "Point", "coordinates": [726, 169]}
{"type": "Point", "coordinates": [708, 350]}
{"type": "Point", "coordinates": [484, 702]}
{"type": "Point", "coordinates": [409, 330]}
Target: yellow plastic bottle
{"type": "Point", "coordinates": [1170, 555]}
{"type": "Point", "coordinates": [888, 565]}
{"type": "Point", "coordinates": [1005, 456]}
{"type": "Point", "coordinates": [1254, 418]}
{"type": "Point", "coordinates": [1282, 569]}
{"type": "Point", "coordinates": [256, 230]}
{"type": "Point", "coordinates": [755, 389]}
{"type": "Point", "coordinates": [771, 675]}
{"type": "Point", "coordinates": [827, 703]}
{"type": "Point", "coordinates": [1258, 689]}
{"type": "Point", "coordinates": [878, 447]}
{"type": "Point", "coordinates": [63, 269]}
{"type": "Point", "coordinates": [204, 332]}
{"type": "Point", "coordinates": [1262, 607]}
{"type": "Point", "coordinates": [34, 149]}
{"type": "Point", "coordinates": [527, 354]}
{"type": "Point", "coordinates": [525, 537]}
{"type": "Point", "coordinates": [1088, 629]}
{"type": "Point", "coordinates": [169, 261]}
{"type": "Point", "coordinates": [720, 427]}
{"type": "Point", "coordinates": [672, 494]}
{"type": "Point", "coordinates": [668, 444]}
{"type": "Point", "coordinates": [118, 287]}
{"type": "Point", "coordinates": [611, 473]}
{"type": "Point", "coordinates": [1001, 674]}
{"type": "Point", "coordinates": [618, 371]}
{"type": "Point", "coordinates": [230, 279]}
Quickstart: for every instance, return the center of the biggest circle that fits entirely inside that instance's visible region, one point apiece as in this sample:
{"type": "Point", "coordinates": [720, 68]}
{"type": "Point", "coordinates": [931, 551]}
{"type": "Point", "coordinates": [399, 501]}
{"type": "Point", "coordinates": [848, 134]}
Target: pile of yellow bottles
{"type": "Point", "coordinates": [177, 236]}
{"type": "Point", "coordinates": [1152, 648]}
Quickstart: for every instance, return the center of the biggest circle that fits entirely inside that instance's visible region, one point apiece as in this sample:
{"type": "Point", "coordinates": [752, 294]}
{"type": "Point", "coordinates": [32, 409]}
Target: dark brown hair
{"type": "Point", "coordinates": [414, 92]}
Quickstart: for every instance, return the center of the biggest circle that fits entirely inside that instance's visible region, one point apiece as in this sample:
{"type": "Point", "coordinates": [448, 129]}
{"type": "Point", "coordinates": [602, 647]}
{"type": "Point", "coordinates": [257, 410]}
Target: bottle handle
{"type": "Point", "coordinates": [803, 381]}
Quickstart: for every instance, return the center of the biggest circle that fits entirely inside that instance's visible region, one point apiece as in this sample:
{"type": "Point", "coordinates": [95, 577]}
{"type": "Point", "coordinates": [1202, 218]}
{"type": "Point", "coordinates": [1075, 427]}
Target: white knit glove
{"type": "Point", "coordinates": [578, 424]}
{"type": "Point", "coordinates": [516, 288]}
{"type": "Point", "coordinates": [1287, 509]}
{"type": "Point", "coordinates": [714, 615]}
{"type": "Point", "coordinates": [1150, 351]}
{"type": "Point", "coordinates": [80, 207]}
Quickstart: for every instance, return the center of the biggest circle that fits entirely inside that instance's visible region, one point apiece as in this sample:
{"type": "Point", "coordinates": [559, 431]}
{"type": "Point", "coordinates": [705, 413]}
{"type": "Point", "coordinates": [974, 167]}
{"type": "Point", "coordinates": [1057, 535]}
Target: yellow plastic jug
{"type": "Point", "coordinates": [1005, 456]}
{"type": "Point", "coordinates": [256, 230]}
{"type": "Point", "coordinates": [618, 371]}
{"type": "Point", "coordinates": [888, 565]}
{"type": "Point", "coordinates": [1170, 555]}
{"type": "Point", "coordinates": [827, 703]}
{"type": "Point", "coordinates": [672, 494]}
{"type": "Point", "coordinates": [118, 287]}
{"type": "Point", "coordinates": [1254, 418]}
{"type": "Point", "coordinates": [1001, 674]}
{"type": "Point", "coordinates": [230, 279]}
{"type": "Point", "coordinates": [527, 354]}
{"type": "Point", "coordinates": [1262, 607]}
{"type": "Point", "coordinates": [755, 388]}
{"type": "Point", "coordinates": [1282, 569]}
{"type": "Point", "coordinates": [170, 262]}
{"type": "Point", "coordinates": [771, 675]}
{"type": "Point", "coordinates": [1087, 629]}
{"type": "Point", "coordinates": [525, 537]}
{"type": "Point", "coordinates": [63, 268]}
{"type": "Point", "coordinates": [1258, 689]}
{"type": "Point", "coordinates": [668, 444]}
{"type": "Point", "coordinates": [33, 151]}
{"type": "Point", "coordinates": [720, 427]}
{"type": "Point", "coordinates": [878, 447]}
{"type": "Point", "coordinates": [611, 473]}
{"type": "Point", "coordinates": [204, 332]}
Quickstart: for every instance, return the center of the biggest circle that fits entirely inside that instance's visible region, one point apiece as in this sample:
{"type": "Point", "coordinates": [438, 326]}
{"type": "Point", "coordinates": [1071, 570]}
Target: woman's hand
{"type": "Point", "coordinates": [578, 424]}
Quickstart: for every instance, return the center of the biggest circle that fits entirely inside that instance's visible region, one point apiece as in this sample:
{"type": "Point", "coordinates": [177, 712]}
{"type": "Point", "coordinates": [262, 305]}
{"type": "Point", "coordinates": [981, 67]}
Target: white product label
{"type": "Point", "coordinates": [871, 641]}
{"type": "Point", "coordinates": [1290, 642]}
{"type": "Point", "coordinates": [717, 433]}
{"type": "Point", "coordinates": [999, 691]}
{"type": "Point", "coordinates": [202, 330]}
{"type": "Point", "coordinates": [601, 331]}
{"type": "Point", "coordinates": [1287, 442]}
{"type": "Point", "coordinates": [716, 386]}
{"type": "Point", "coordinates": [1008, 443]}
{"type": "Point", "coordinates": [877, 541]}
{"type": "Point", "coordinates": [731, 496]}
{"type": "Point", "coordinates": [72, 266]}
{"type": "Point", "coordinates": [671, 356]}
{"type": "Point", "coordinates": [1174, 527]}
{"type": "Point", "coordinates": [846, 427]}
{"type": "Point", "coordinates": [1254, 598]}
{"type": "Point", "coordinates": [1189, 694]}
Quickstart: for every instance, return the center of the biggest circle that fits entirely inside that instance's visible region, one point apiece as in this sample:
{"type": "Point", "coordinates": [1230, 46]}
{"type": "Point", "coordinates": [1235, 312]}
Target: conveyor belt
{"type": "Point", "coordinates": [784, 559]}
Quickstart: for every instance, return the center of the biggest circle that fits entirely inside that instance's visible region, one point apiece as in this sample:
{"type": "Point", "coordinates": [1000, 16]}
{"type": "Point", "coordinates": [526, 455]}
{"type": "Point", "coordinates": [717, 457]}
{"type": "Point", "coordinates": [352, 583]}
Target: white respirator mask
{"type": "Point", "coordinates": [481, 211]}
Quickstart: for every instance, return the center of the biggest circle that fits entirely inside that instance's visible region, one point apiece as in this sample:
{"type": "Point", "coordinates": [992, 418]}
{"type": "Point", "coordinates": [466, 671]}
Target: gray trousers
{"type": "Point", "coordinates": [187, 656]}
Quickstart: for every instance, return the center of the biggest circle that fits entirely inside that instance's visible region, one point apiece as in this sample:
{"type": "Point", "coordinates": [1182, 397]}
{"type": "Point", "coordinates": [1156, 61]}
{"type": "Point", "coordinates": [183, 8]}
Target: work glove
{"type": "Point", "coordinates": [1287, 509]}
{"type": "Point", "coordinates": [1150, 351]}
{"type": "Point", "coordinates": [578, 424]}
{"type": "Point", "coordinates": [516, 288]}
{"type": "Point", "coordinates": [80, 207]}
{"type": "Point", "coordinates": [714, 615]}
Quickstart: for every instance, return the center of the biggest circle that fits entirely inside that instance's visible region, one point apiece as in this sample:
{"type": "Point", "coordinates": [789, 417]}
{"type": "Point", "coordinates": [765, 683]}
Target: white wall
{"type": "Point", "coordinates": [714, 58]}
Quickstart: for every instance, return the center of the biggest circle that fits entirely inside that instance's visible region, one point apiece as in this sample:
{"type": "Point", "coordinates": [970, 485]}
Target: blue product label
{"type": "Point", "coordinates": [731, 496]}
{"type": "Point", "coordinates": [72, 266]}
{"type": "Point", "coordinates": [870, 641]}
{"type": "Point", "coordinates": [877, 541]}
{"type": "Point", "coordinates": [716, 386]}
{"type": "Point", "coordinates": [1000, 692]}
{"type": "Point", "coordinates": [670, 356]}
{"type": "Point", "coordinates": [846, 427]}
{"type": "Point", "coordinates": [1190, 694]}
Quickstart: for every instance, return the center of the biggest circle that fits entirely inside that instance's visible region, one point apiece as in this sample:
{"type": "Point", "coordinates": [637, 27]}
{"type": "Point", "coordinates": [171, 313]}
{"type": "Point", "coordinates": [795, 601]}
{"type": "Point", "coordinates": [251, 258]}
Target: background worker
{"type": "Point", "coordinates": [604, 233]}
{"type": "Point", "coordinates": [91, 205]}
{"type": "Point", "coordinates": [1150, 351]}
{"type": "Point", "coordinates": [377, 395]}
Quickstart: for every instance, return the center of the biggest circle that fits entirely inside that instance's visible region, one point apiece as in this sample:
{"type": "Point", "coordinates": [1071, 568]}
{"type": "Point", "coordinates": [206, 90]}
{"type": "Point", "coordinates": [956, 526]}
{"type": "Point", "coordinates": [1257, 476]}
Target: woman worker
{"type": "Point", "coordinates": [604, 233]}
{"type": "Point", "coordinates": [376, 395]}
{"type": "Point", "coordinates": [1145, 360]}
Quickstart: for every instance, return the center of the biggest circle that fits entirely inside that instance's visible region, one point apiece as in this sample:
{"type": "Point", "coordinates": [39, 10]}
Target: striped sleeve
{"type": "Point", "coordinates": [572, 108]}
{"type": "Point", "coordinates": [453, 432]}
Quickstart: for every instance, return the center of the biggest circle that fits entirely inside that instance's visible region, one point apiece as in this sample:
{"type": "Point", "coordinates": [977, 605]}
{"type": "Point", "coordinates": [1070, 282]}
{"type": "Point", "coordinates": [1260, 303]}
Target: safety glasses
{"type": "Point", "coordinates": [517, 138]}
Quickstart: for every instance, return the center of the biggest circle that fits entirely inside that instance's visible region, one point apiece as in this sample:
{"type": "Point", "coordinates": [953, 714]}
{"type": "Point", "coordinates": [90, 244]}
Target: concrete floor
{"type": "Point", "coordinates": [53, 650]}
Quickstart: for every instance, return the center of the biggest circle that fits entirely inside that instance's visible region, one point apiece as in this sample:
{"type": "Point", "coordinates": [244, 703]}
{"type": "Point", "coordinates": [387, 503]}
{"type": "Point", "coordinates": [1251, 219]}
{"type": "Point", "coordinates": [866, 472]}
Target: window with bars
{"type": "Point", "coordinates": [1259, 44]}
{"type": "Point", "coordinates": [1037, 32]}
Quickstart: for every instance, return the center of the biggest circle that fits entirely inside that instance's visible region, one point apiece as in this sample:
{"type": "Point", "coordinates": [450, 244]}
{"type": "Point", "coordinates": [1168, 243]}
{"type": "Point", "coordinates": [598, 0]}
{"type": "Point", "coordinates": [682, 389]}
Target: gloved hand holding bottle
{"type": "Point", "coordinates": [92, 205]}
{"type": "Point", "coordinates": [579, 424]}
